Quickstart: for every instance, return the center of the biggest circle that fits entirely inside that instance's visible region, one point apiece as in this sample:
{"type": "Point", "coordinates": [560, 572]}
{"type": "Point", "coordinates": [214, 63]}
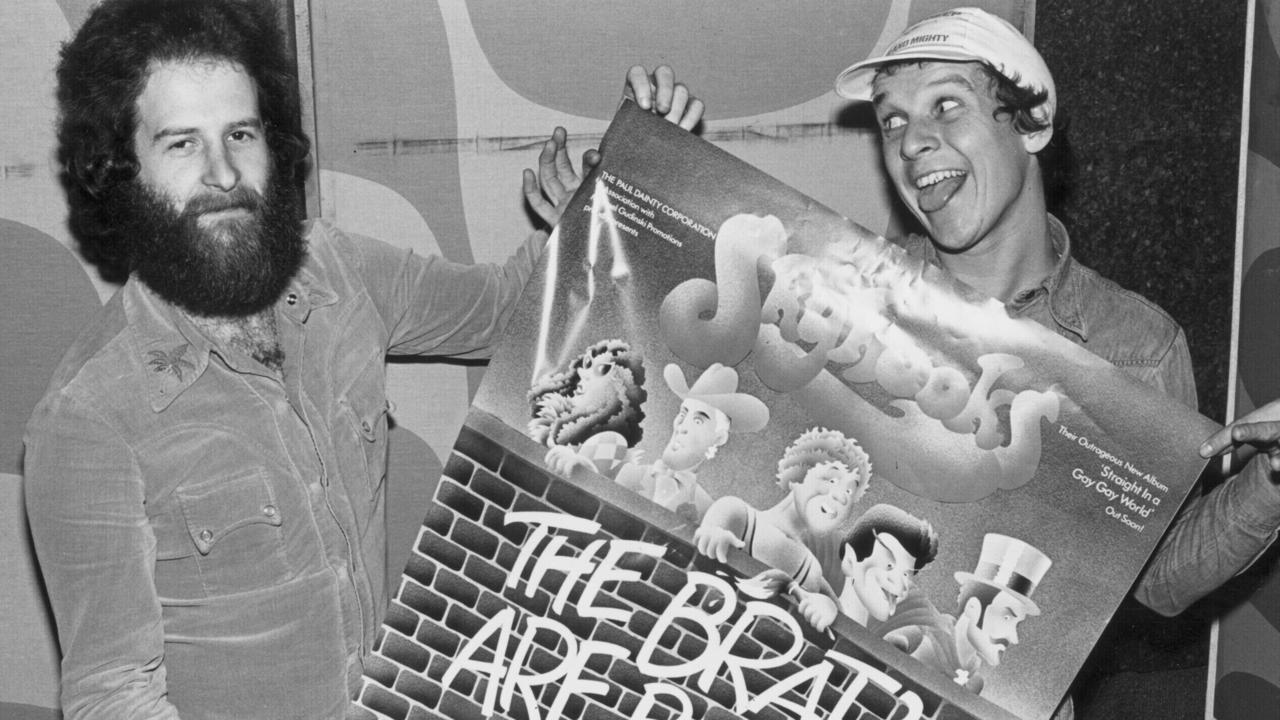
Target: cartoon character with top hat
{"type": "Point", "coordinates": [993, 600]}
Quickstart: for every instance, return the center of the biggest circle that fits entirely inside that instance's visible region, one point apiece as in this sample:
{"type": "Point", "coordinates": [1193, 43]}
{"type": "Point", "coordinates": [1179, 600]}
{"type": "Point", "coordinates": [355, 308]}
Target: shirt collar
{"type": "Point", "coordinates": [1065, 296]}
{"type": "Point", "coordinates": [306, 292]}
{"type": "Point", "coordinates": [173, 354]}
{"type": "Point", "coordinates": [1061, 286]}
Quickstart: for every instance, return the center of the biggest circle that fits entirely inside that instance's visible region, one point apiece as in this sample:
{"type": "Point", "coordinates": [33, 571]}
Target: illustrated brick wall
{"type": "Point", "coordinates": [456, 580]}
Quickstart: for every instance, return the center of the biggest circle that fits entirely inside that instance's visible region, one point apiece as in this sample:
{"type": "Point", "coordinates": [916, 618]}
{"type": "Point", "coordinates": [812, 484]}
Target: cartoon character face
{"type": "Point", "coordinates": [998, 629]}
{"type": "Point", "coordinates": [826, 495]}
{"type": "Point", "coordinates": [697, 430]}
{"type": "Point", "coordinates": [961, 167]}
{"type": "Point", "coordinates": [598, 384]}
{"type": "Point", "coordinates": [882, 578]}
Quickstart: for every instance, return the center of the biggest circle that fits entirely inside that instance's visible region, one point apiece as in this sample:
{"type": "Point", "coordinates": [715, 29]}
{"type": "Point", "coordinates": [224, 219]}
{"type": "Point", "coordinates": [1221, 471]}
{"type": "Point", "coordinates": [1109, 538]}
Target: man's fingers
{"type": "Point", "coordinates": [638, 80]}
{"type": "Point", "coordinates": [692, 114]}
{"type": "Point", "coordinates": [679, 99]}
{"type": "Point", "coordinates": [549, 171]}
{"type": "Point", "coordinates": [564, 168]}
{"type": "Point", "coordinates": [590, 159]}
{"type": "Point", "coordinates": [1264, 435]}
{"type": "Point", "coordinates": [1216, 443]}
{"type": "Point", "coordinates": [537, 202]}
{"type": "Point", "coordinates": [1256, 432]}
{"type": "Point", "coordinates": [665, 80]}
{"type": "Point", "coordinates": [686, 110]}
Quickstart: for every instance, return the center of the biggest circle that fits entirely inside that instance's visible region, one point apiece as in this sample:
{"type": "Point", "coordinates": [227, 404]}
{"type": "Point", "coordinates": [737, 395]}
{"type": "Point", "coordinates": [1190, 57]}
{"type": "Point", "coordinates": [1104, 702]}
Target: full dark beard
{"type": "Point", "coordinates": [232, 268]}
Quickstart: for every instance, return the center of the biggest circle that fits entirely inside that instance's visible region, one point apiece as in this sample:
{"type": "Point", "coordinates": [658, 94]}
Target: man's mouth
{"type": "Point", "coordinates": [223, 212]}
{"type": "Point", "coordinates": [937, 187]}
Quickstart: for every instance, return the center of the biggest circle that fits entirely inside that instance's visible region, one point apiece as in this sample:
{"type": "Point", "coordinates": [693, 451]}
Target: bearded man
{"type": "Point", "coordinates": [205, 476]}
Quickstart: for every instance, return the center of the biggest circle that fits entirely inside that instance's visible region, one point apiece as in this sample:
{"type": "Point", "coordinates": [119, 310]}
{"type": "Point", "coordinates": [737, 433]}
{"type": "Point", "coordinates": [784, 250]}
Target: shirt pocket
{"type": "Point", "coordinates": [231, 538]}
{"type": "Point", "coordinates": [365, 407]}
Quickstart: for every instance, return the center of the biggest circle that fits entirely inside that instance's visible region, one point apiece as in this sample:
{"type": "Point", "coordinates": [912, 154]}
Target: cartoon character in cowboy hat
{"type": "Point", "coordinates": [994, 599]}
{"type": "Point", "coordinates": [710, 409]}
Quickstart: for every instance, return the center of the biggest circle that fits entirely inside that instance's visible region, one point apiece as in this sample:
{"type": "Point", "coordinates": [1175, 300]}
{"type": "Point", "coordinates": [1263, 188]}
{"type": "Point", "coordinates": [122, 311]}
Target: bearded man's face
{"type": "Point", "coordinates": [211, 230]}
{"type": "Point", "coordinates": [232, 267]}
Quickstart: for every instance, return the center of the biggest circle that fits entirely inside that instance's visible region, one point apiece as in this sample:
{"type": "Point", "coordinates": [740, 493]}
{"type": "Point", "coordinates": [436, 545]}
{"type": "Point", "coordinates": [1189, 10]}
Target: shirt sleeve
{"type": "Point", "coordinates": [85, 502]}
{"type": "Point", "coordinates": [1214, 537]}
{"type": "Point", "coordinates": [433, 306]}
{"type": "Point", "coordinates": [1175, 376]}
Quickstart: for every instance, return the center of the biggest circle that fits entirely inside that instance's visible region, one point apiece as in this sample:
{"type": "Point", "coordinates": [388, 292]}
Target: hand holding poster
{"type": "Point", "coordinates": [738, 454]}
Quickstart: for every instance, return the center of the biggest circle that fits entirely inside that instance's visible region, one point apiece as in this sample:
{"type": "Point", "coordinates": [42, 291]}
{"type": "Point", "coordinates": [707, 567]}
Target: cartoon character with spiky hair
{"type": "Point", "coordinates": [883, 551]}
{"type": "Point", "coordinates": [825, 475]}
{"type": "Point", "coordinates": [601, 391]}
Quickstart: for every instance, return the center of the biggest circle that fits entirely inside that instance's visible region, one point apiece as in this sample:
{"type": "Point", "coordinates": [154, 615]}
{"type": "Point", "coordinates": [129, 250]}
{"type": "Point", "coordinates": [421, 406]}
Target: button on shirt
{"type": "Point", "coordinates": [212, 536]}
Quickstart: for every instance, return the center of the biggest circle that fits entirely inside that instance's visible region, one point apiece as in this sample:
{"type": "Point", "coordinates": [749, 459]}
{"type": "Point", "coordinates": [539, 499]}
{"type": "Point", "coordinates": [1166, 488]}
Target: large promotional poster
{"type": "Point", "coordinates": [739, 456]}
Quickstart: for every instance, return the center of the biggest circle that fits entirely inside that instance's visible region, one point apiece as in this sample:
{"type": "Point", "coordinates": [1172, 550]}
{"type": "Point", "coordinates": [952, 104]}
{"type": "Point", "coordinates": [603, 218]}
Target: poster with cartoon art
{"type": "Point", "coordinates": [874, 486]}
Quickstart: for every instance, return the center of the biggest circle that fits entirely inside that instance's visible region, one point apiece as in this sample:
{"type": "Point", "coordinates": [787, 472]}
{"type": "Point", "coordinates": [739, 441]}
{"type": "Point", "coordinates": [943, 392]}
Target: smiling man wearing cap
{"type": "Point", "coordinates": [966, 110]}
{"type": "Point", "coordinates": [968, 113]}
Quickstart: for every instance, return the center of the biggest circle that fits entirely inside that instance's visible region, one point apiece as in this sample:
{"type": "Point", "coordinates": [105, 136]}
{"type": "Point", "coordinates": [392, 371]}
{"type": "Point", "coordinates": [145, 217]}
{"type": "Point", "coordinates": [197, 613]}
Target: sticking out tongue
{"type": "Point", "coordinates": [934, 197]}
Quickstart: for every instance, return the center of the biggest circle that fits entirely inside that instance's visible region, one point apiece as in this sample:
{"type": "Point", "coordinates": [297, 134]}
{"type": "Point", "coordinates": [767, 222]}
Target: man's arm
{"type": "Point", "coordinates": [433, 306]}
{"type": "Point", "coordinates": [549, 189]}
{"type": "Point", "coordinates": [1221, 533]}
{"type": "Point", "coordinates": [437, 307]}
{"type": "Point", "coordinates": [85, 501]}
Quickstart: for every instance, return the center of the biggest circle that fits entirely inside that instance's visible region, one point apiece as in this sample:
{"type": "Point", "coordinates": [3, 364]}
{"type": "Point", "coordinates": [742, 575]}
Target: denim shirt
{"type": "Point", "coordinates": [1215, 535]}
{"type": "Point", "coordinates": [1117, 325]}
{"type": "Point", "coordinates": [212, 536]}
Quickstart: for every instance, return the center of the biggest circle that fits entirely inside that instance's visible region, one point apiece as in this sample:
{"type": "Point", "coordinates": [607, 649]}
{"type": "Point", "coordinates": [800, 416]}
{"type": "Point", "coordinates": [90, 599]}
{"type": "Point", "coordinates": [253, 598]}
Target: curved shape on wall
{"type": "Point", "coordinates": [1264, 93]}
{"type": "Point", "coordinates": [394, 59]}
{"type": "Point", "coordinates": [1259, 334]}
{"type": "Point", "coordinates": [28, 646]}
{"type": "Point", "coordinates": [765, 57]}
{"type": "Point", "coordinates": [47, 299]}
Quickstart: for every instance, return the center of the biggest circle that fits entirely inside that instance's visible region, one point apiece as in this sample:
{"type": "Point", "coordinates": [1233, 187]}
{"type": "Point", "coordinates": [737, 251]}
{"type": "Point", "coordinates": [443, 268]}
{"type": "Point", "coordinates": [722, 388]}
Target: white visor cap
{"type": "Point", "coordinates": [961, 35]}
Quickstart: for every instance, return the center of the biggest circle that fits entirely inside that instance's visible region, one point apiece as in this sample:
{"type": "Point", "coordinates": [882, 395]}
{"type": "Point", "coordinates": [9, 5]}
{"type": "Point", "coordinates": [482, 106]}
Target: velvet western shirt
{"type": "Point", "coordinates": [212, 533]}
{"type": "Point", "coordinates": [1215, 535]}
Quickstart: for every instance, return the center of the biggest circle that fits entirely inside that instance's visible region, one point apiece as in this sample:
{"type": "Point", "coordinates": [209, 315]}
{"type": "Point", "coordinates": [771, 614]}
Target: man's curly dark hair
{"type": "Point", "coordinates": [104, 69]}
